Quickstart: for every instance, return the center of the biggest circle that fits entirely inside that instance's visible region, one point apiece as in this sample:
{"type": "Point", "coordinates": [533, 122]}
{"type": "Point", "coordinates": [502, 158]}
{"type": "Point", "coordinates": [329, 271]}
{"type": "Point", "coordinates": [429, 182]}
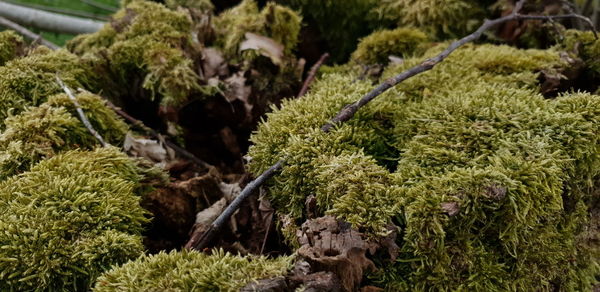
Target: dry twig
{"type": "Point", "coordinates": [311, 74]}
{"type": "Point", "coordinates": [80, 112]}
{"type": "Point", "coordinates": [34, 38]}
{"type": "Point", "coordinates": [348, 111]}
{"type": "Point", "coordinates": [184, 153]}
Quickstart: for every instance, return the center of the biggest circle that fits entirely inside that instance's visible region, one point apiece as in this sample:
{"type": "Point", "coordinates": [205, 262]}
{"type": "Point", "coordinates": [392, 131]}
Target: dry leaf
{"type": "Point", "coordinates": [149, 149]}
{"type": "Point", "coordinates": [266, 46]}
{"type": "Point", "coordinates": [214, 64]}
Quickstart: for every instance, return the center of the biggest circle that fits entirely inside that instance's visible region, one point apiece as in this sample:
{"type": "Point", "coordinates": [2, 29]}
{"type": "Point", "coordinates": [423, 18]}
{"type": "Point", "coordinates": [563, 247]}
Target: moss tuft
{"type": "Point", "coordinates": [191, 271]}
{"type": "Point", "coordinates": [41, 132]}
{"type": "Point", "coordinates": [68, 219]}
{"type": "Point", "coordinates": [29, 81]}
{"type": "Point", "coordinates": [378, 46]}
{"type": "Point", "coordinates": [12, 45]}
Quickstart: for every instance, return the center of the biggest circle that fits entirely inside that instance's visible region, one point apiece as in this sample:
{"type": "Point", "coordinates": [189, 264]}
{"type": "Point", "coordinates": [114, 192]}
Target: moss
{"type": "Point", "coordinates": [135, 45]}
{"type": "Point", "coordinates": [441, 18]}
{"type": "Point", "coordinates": [41, 132]}
{"type": "Point", "coordinates": [489, 182]}
{"type": "Point", "coordinates": [274, 21]}
{"type": "Point", "coordinates": [378, 46]}
{"type": "Point", "coordinates": [11, 46]}
{"type": "Point", "coordinates": [203, 5]}
{"type": "Point", "coordinates": [191, 271]}
{"type": "Point", "coordinates": [472, 64]}
{"type": "Point", "coordinates": [29, 81]}
{"type": "Point", "coordinates": [585, 45]}
{"type": "Point", "coordinates": [68, 219]}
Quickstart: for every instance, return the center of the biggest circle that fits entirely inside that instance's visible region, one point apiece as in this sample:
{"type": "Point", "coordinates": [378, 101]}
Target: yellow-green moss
{"type": "Point", "coordinates": [69, 219]}
{"type": "Point", "coordinates": [274, 21]}
{"type": "Point", "coordinates": [149, 41]}
{"type": "Point", "coordinates": [488, 181]}
{"type": "Point", "coordinates": [191, 271]}
{"type": "Point", "coordinates": [585, 45]}
{"type": "Point", "coordinates": [29, 81]}
{"type": "Point", "coordinates": [378, 46]}
{"type": "Point", "coordinates": [11, 46]}
{"type": "Point", "coordinates": [442, 18]}
{"type": "Point", "coordinates": [41, 132]}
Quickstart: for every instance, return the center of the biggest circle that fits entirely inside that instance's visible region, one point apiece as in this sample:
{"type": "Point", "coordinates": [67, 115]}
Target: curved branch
{"type": "Point", "coordinates": [48, 21]}
{"type": "Point", "coordinates": [27, 33]}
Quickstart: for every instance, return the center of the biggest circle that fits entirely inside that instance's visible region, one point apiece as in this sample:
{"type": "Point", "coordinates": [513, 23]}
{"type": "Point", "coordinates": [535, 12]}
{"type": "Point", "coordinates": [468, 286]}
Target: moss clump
{"type": "Point", "coordinates": [441, 18]}
{"type": "Point", "coordinates": [136, 46]}
{"type": "Point", "coordinates": [378, 46]}
{"type": "Point", "coordinates": [472, 64]}
{"type": "Point", "coordinates": [274, 21]}
{"type": "Point", "coordinates": [68, 219]}
{"type": "Point", "coordinates": [29, 81]}
{"type": "Point", "coordinates": [584, 45]}
{"type": "Point", "coordinates": [191, 271]}
{"type": "Point", "coordinates": [11, 46]}
{"type": "Point", "coordinates": [488, 182]}
{"type": "Point", "coordinates": [41, 132]}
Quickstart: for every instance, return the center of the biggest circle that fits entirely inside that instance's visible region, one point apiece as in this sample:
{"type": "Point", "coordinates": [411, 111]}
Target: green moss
{"type": "Point", "coordinates": [203, 5]}
{"type": "Point", "coordinates": [442, 18]}
{"type": "Point", "coordinates": [29, 81]}
{"type": "Point", "coordinates": [274, 21]}
{"type": "Point", "coordinates": [489, 182]}
{"type": "Point", "coordinates": [378, 46]}
{"type": "Point", "coordinates": [11, 46]}
{"type": "Point", "coordinates": [41, 132]}
{"type": "Point", "coordinates": [136, 45]}
{"type": "Point", "coordinates": [191, 271]}
{"type": "Point", "coordinates": [68, 219]}
{"type": "Point", "coordinates": [472, 64]}
{"type": "Point", "coordinates": [584, 45]}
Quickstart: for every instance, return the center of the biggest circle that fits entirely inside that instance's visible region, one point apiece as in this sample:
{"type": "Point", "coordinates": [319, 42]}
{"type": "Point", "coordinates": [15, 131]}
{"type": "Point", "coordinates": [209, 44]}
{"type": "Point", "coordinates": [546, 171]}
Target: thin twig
{"type": "Point", "coordinates": [33, 37]}
{"type": "Point", "coordinates": [348, 112]}
{"type": "Point", "coordinates": [156, 135]}
{"type": "Point", "coordinates": [311, 74]}
{"type": "Point", "coordinates": [82, 116]}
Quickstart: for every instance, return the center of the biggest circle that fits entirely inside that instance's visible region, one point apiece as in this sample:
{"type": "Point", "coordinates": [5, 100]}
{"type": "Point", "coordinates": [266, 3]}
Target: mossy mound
{"type": "Point", "coordinates": [378, 46]}
{"type": "Point", "coordinates": [41, 132]}
{"type": "Point", "coordinates": [12, 45]}
{"type": "Point", "coordinates": [68, 219]}
{"type": "Point", "coordinates": [440, 18]}
{"type": "Point", "coordinates": [30, 80]}
{"type": "Point", "coordinates": [488, 182]}
{"type": "Point", "coordinates": [191, 271]}
{"type": "Point", "coordinates": [584, 45]}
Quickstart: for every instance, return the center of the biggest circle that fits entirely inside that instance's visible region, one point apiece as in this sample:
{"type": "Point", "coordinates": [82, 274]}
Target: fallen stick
{"type": "Point", "coordinates": [80, 112]}
{"type": "Point", "coordinates": [158, 136]}
{"type": "Point", "coordinates": [348, 111]}
{"type": "Point", "coordinates": [311, 74]}
{"type": "Point", "coordinates": [33, 37]}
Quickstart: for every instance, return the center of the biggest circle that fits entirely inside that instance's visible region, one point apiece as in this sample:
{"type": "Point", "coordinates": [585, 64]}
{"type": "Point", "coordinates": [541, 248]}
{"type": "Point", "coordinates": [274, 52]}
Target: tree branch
{"type": "Point", "coordinates": [27, 33]}
{"type": "Point", "coordinates": [48, 21]}
{"type": "Point", "coordinates": [158, 136]}
{"type": "Point", "coordinates": [311, 74]}
{"type": "Point", "coordinates": [348, 112]}
{"type": "Point", "coordinates": [82, 116]}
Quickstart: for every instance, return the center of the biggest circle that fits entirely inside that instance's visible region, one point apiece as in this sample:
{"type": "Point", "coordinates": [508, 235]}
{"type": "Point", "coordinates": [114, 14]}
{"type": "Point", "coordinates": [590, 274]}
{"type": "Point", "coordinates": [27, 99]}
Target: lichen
{"type": "Point", "coordinates": [191, 271]}
{"type": "Point", "coordinates": [41, 132]}
{"type": "Point", "coordinates": [12, 45]}
{"type": "Point", "coordinates": [489, 182]}
{"type": "Point", "coordinates": [378, 46]}
{"type": "Point", "coordinates": [68, 219]}
{"type": "Point", "coordinates": [30, 80]}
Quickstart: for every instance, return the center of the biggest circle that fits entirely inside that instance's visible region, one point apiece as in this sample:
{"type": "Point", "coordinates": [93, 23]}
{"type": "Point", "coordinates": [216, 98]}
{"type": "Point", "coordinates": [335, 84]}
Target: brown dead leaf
{"type": "Point", "coordinates": [450, 208]}
{"type": "Point", "coordinates": [333, 246]}
{"type": "Point", "coordinates": [152, 150]}
{"type": "Point", "coordinates": [214, 64]}
{"type": "Point", "coordinates": [266, 46]}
